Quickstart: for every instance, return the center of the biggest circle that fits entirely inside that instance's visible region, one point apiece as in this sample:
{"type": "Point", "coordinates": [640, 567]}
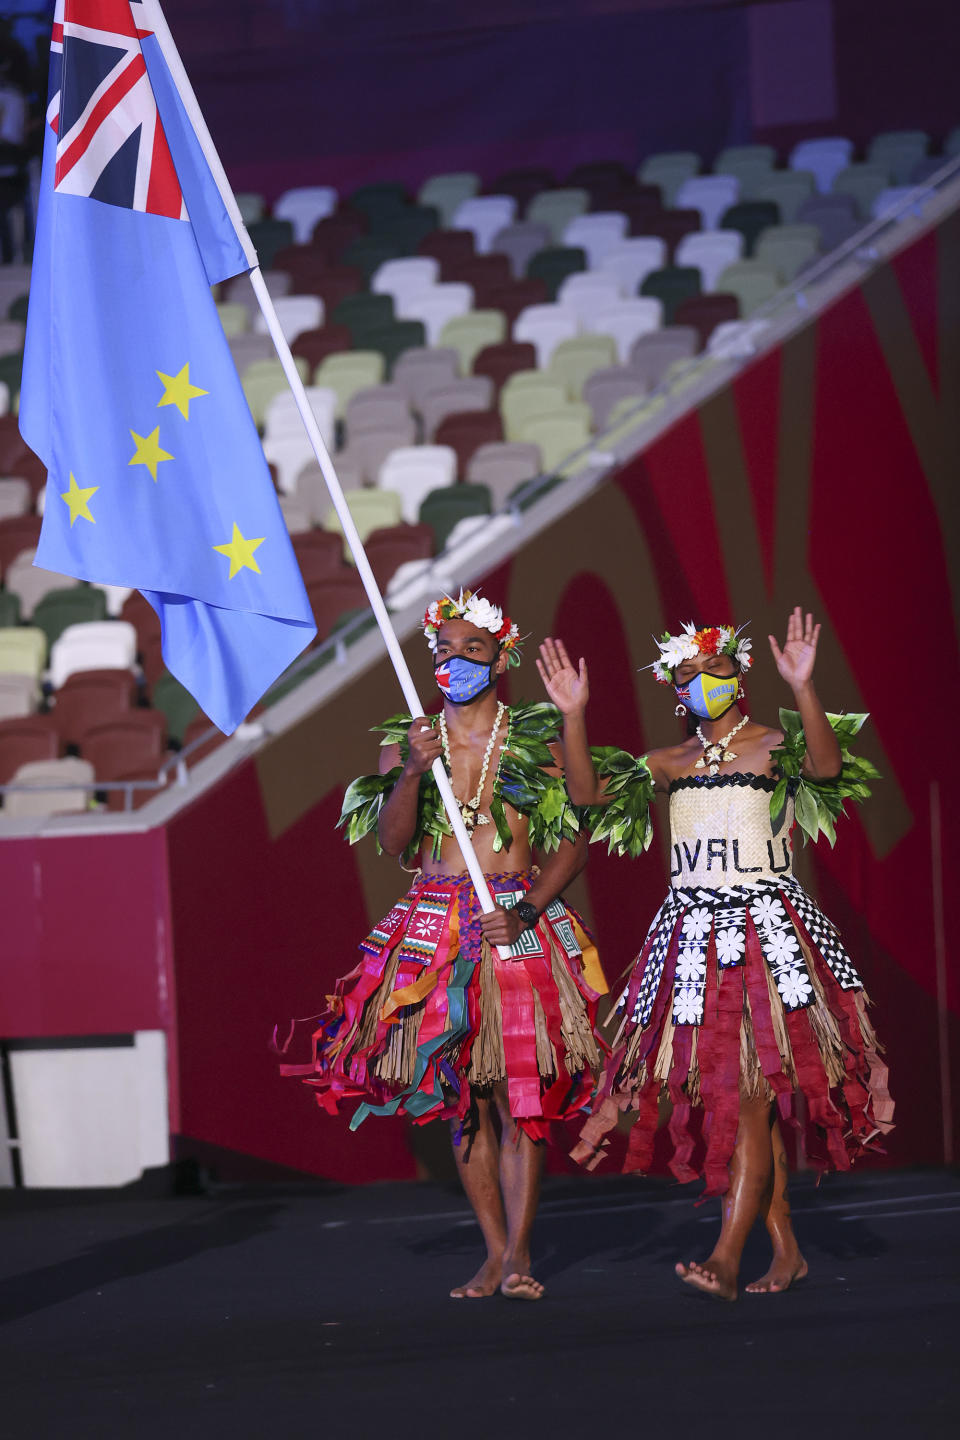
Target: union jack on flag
{"type": "Point", "coordinates": [111, 144]}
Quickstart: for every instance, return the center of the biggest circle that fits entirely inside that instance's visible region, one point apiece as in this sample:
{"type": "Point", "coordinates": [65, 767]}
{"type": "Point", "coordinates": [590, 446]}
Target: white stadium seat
{"type": "Point", "coordinates": [93, 645]}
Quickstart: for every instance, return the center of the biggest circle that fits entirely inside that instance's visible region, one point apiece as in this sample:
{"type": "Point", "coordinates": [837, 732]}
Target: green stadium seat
{"type": "Point", "coordinates": [74, 606]}
{"type": "Point", "coordinates": [176, 703]}
{"type": "Point", "coordinates": [751, 218]}
{"type": "Point", "coordinates": [443, 509]}
{"type": "Point", "coordinates": [363, 313]}
{"type": "Point", "coordinates": [552, 266]}
{"type": "Point", "coordinates": [672, 285]}
{"type": "Point", "coordinates": [268, 237]}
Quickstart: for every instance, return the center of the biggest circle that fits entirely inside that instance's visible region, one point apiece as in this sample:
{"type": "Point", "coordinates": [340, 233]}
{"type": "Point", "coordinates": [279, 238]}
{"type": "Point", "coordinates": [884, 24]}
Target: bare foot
{"type": "Point", "coordinates": [521, 1287]}
{"type": "Point", "coordinates": [711, 1278]}
{"type": "Point", "coordinates": [785, 1271]}
{"type": "Point", "coordinates": [485, 1282]}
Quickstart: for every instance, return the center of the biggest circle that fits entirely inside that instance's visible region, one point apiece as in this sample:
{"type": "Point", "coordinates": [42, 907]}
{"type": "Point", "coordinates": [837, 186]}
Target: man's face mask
{"type": "Point", "coordinates": [709, 696]}
{"type": "Point", "coordinates": [461, 680]}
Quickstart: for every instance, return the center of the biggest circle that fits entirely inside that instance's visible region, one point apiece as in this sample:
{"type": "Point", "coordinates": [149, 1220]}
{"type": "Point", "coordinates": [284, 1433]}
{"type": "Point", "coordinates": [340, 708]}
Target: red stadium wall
{"type": "Point", "coordinates": [825, 475]}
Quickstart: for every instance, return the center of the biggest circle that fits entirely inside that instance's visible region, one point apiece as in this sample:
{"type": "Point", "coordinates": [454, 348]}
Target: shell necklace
{"type": "Point", "coordinates": [470, 809]}
{"type": "Point", "coordinates": [716, 753]}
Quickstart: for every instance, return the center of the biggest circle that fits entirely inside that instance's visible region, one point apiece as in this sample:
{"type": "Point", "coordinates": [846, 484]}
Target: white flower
{"type": "Point", "coordinates": [696, 923]}
{"type": "Point", "coordinates": [724, 637]}
{"type": "Point", "coordinates": [743, 657]}
{"type": "Point", "coordinates": [794, 987]}
{"type": "Point", "coordinates": [730, 945]}
{"type": "Point", "coordinates": [483, 614]}
{"type": "Point", "coordinates": [691, 966]}
{"type": "Point", "coordinates": [687, 1007]}
{"type": "Point", "coordinates": [767, 913]}
{"type": "Point", "coordinates": [690, 628]}
{"type": "Point", "coordinates": [675, 650]}
{"type": "Point", "coordinates": [780, 946]}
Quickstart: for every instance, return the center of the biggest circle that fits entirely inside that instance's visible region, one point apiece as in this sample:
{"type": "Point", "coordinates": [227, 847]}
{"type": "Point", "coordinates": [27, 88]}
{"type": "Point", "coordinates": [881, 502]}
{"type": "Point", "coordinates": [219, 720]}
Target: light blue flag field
{"type": "Point", "coordinates": [157, 479]}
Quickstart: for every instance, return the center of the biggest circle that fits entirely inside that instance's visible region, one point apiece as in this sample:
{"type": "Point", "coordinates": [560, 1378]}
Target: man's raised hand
{"type": "Point", "coordinates": [425, 746]}
{"type": "Point", "coordinates": [568, 688]}
{"type": "Point", "coordinates": [795, 661]}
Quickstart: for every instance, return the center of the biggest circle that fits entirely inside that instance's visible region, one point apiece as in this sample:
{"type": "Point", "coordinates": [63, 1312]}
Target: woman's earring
{"type": "Point", "coordinates": [681, 710]}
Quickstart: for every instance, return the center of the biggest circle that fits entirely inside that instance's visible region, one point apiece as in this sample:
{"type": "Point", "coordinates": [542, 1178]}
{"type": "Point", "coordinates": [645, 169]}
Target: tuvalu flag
{"type": "Point", "coordinates": [157, 479]}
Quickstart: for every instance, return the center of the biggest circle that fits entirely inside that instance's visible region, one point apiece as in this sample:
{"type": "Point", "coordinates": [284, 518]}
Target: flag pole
{"type": "Point", "coordinates": [153, 15]}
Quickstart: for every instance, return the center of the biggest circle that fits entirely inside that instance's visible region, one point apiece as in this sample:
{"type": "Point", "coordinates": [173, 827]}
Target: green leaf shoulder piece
{"type": "Point", "coordinates": [522, 782]}
{"type": "Point", "coordinates": [624, 821]}
{"type": "Point", "coordinates": [819, 803]}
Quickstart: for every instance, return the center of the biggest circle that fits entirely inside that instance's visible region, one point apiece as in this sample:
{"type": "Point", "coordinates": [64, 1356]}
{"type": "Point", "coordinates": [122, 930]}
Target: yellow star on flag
{"type": "Point", "coordinates": [240, 552]}
{"type": "Point", "coordinates": [179, 391]}
{"type": "Point", "coordinates": [77, 500]}
{"type": "Point", "coordinates": [148, 451]}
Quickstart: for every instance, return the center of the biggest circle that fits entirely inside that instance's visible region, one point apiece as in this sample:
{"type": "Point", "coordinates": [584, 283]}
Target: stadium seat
{"type": "Point", "coordinates": [824, 157]}
{"type": "Point", "coordinates": [485, 274]}
{"type": "Point", "coordinates": [558, 434]}
{"type": "Point", "coordinates": [239, 290]}
{"type": "Point", "coordinates": [751, 218]}
{"type": "Point", "coordinates": [524, 183]}
{"type": "Point", "coordinates": [4, 398]}
{"type": "Point", "coordinates": [296, 313]}
{"type": "Point", "coordinates": [335, 284]}
{"type": "Point", "coordinates": [406, 276]}
{"type": "Point", "coordinates": [311, 489]}
{"type": "Point", "coordinates": [605, 389]}
{"type": "Point", "coordinates": [705, 312]}
{"type": "Point", "coordinates": [26, 739]}
{"type": "Point", "coordinates": [834, 216]}
{"type": "Point", "coordinates": [407, 228]}
{"type": "Point", "coordinates": [296, 515]}
{"type": "Point", "coordinates": [314, 346]}
{"type": "Point", "coordinates": [263, 380]}
{"type": "Point", "coordinates": [898, 152]}
{"type": "Point", "coordinates": [388, 549]}
{"type": "Point", "coordinates": [305, 265]}
{"type": "Point", "coordinates": [788, 249]}
{"type": "Point", "coordinates": [466, 432]}
{"type": "Point", "coordinates": [138, 612]}
{"type": "Point", "coordinates": [19, 695]}
{"type": "Point", "coordinates": [37, 798]}
{"type": "Point", "coordinates": [330, 600]}
{"type": "Point", "coordinates": [597, 234]}
{"type": "Point", "coordinates": [752, 282]}
{"type": "Point", "coordinates": [544, 326]}
{"type": "Point", "coordinates": [555, 265]}
{"type": "Point", "coordinates": [335, 232]}
{"type": "Point", "coordinates": [31, 584]}
{"type": "Point", "coordinates": [449, 248]}
{"type": "Point", "coordinates": [370, 509]}
{"type": "Point", "coordinates": [519, 242]}
{"type": "Point", "coordinates": [251, 206]}
{"type": "Point", "coordinates": [433, 308]}
{"type": "Point", "coordinates": [626, 321]}
{"type": "Point", "coordinates": [447, 192]}
{"type": "Point", "coordinates": [788, 189]}
{"type": "Point", "coordinates": [23, 650]}
{"type": "Point", "coordinates": [347, 373]}
{"type": "Point", "coordinates": [671, 226]}
{"type": "Point", "coordinates": [670, 286]}
{"type": "Point", "coordinates": [652, 355]}
{"type": "Point", "coordinates": [234, 317]}
{"type": "Point", "coordinates": [319, 553]}
{"type": "Point", "coordinates": [16, 498]}
{"type": "Point", "coordinates": [710, 251]}
{"type": "Point", "coordinates": [378, 198]}
{"type": "Point", "coordinates": [303, 207]}
{"type": "Point", "coordinates": [587, 294]}
{"type": "Point", "coordinates": [419, 370]}
{"type": "Point", "coordinates": [11, 371]}
{"type": "Point", "coordinates": [283, 419]}
{"type": "Point", "coordinates": [369, 448]}
{"type": "Point", "coordinates": [473, 392]}
{"type": "Point", "coordinates": [287, 455]}
{"type": "Point", "coordinates": [73, 606]}
{"type": "Point", "coordinates": [413, 471]}
{"type": "Point", "coordinates": [443, 509]}
{"type": "Point", "coordinates": [864, 183]}
{"type": "Point", "coordinates": [556, 208]}
{"type": "Point", "coordinates": [751, 164]}
{"type": "Point", "coordinates": [499, 362]}
{"type": "Point", "coordinates": [469, 334]}
{"type": "Point", "coordinates": [633, 260]}
{"type": "Point", "coordinates": [669, 169]}
{"type": "Point", "coordinates": [513, 299]}
{"type": "Point", "coordinates": [526, 395]}
{"type": "Point", "coordinates": [503, 465]}
{"type": "Point", "coordinates": [484, 215]}
{"type": "Point", "coordinates": [891, 201]}
{"type": "Point", "coordinates": [367, 253]}
{"type": "Point", "coordinates": [17, 533]}
{"type": "Point", "coordinates": [93, 645]}
{"type": "Point", "coordinates": [394, 340]}
{"type": "Point", "coordinates": [9, 609]}
{"type": "Point", "coordinates": [91, 697]}
{"type": "Point", "coordinates": [364, 312]}
{"type": "Point", "coordinates": [376, 407]}
{"type": "Point", "coordinates": [573, 361]}
{"type": "Point", "coordinates": [247, 349]}
{"type": "Point", "coordinates": [711, 195]}
{"type": "Point", "coordinates": [130, 742]}
{"type": "Point", "coordinates": [268, 236]}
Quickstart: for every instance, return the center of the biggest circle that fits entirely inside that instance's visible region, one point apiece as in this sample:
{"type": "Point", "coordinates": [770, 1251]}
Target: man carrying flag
{"type": "Point", "coordinates": [157, 479]}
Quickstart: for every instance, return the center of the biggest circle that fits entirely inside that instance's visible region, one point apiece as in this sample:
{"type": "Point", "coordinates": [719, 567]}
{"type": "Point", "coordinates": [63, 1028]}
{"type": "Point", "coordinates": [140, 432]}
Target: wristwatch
{"type": "Point", "coordinates": [528, 913]}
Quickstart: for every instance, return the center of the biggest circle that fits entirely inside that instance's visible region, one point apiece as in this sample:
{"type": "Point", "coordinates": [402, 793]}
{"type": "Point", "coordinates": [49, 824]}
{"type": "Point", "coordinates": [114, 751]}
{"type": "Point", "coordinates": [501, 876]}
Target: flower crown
{"type": "Point", "coordinates": [472, 607]}
{"type": "Point", "coordinates": [711, 640]}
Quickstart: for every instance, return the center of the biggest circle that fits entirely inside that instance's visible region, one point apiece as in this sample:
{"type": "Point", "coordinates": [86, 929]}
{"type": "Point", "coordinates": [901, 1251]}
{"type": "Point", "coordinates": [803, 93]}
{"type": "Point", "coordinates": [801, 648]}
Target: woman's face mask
{"type": "Point", "coordinates": [709, 696]}
{"type": "Point", "coordinates": [461, 680]}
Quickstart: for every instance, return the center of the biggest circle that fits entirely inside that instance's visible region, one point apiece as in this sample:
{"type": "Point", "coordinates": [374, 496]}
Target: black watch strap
{"type": "Point", "coordinates": [528, 913]}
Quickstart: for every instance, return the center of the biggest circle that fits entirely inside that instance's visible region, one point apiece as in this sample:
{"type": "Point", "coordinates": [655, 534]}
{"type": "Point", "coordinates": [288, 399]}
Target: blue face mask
{"type": "Point", "coordinates": [461, 680]}
{"type": "Point", "coordinates": [709, 696]}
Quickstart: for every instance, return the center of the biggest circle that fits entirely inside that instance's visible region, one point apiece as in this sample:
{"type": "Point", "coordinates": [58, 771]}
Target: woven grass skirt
{"type": "Point", "coordinates": [432, 1015]}
{"type": "Point", "coordinates": [741, 991]}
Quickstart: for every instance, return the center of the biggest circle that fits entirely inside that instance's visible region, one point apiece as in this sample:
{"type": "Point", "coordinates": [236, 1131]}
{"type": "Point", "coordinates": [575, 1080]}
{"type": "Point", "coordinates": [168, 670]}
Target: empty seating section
{"type": "Point", "coordinates": [456, 344]}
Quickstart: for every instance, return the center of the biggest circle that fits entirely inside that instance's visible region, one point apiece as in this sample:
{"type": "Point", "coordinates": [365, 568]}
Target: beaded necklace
{"type": "Point", "coordinates": [716, 753]}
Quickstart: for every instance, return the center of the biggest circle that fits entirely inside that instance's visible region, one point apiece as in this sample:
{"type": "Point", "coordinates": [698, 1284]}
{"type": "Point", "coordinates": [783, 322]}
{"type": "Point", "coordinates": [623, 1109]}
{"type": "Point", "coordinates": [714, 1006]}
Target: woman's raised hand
{"type": "Point", "coordinates": [568, 688]}
{"type": "Point", "coordinates": [795, 661]}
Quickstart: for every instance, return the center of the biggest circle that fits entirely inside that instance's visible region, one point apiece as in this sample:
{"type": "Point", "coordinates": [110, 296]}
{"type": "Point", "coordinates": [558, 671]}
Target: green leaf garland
{"type": "Point", "coordinates": [818, 803]}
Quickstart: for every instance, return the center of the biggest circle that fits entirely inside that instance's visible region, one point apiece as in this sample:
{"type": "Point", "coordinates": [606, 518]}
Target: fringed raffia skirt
{"type": "Point", "coordinates": [432, 1015]}
{"type": "Point", "coordinates": [741, 991]}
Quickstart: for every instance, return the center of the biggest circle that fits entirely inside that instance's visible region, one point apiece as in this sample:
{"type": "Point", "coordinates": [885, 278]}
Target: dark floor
{"type": "Point", "coordinates": [323, 1311]}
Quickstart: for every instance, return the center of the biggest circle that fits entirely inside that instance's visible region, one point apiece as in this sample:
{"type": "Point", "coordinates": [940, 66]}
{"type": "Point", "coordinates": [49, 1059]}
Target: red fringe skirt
{"type": "Point", "coordinates": [742, 991]}
{"type": "Point", "coordinates": [432, 1015]}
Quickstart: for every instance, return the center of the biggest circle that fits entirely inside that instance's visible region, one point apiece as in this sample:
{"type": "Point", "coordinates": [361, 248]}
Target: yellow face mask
{"type": "Point", "coordinates": [709, 696]}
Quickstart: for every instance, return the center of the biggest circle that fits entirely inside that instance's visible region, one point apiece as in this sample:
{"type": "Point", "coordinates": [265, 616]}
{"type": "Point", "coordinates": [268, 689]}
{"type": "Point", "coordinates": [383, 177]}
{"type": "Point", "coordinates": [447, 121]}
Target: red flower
{"type": "Point", "coordinates": [707, 640]}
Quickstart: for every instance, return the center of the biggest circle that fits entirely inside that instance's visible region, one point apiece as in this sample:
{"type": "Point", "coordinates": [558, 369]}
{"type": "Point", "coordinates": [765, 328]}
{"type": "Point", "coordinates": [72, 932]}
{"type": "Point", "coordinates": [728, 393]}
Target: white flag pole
{"type": "Point", "coordinates": [151, 15]}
